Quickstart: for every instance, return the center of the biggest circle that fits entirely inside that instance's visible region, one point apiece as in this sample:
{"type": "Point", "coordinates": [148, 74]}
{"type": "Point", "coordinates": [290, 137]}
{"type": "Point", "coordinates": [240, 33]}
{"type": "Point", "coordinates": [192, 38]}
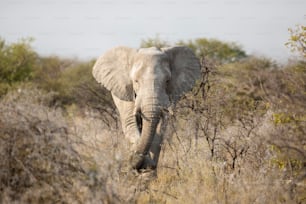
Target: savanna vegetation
{"type": "Point", "coordinates": [237, 137]}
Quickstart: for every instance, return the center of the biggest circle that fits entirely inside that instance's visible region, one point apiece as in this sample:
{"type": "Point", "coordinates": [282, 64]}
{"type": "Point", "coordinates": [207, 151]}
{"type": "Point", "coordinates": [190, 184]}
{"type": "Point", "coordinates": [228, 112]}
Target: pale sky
{"type": "Point", "coordinates": [87, 28]}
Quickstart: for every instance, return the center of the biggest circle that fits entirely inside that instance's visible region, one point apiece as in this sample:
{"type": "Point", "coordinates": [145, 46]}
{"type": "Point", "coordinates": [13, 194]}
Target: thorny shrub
{"type": "Point", "coordinates": [39, 163]}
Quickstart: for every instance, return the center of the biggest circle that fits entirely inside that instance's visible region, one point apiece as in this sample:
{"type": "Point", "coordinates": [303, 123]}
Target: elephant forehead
{"type": "Point", "coordinates": [145, 65]}
{"type": "Point", "coordinates": [149, 57]}
{"type": "Point", "coordinates": [149, 50]}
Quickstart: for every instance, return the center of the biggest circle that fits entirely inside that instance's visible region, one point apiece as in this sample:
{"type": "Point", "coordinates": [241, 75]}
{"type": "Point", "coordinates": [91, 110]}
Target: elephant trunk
{"type": "Point", "coordinates": [150, 114]}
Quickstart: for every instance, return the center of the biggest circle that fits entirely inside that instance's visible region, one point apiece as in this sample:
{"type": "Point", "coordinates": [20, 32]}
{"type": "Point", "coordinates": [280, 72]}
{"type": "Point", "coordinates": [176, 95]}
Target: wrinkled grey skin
{"type": "Point", "coordinates": [144, 83]}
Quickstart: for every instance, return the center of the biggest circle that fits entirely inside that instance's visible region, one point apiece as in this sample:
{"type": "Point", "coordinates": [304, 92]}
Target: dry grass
{"type": "Point", "coordinates": [39, 161]}
{"type": "Point", "coordinates": [50, 155]}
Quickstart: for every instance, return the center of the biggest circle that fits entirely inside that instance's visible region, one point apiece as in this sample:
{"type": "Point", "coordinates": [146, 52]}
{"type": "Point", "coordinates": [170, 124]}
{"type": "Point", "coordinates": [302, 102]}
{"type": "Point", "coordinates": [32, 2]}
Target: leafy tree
{"type": "Point", "coordinates": [216, 50]}
{"type": "Point", "coordinates": [17, 61]}
{"type": "Point", "coordinates": [297, 41]}
{"type": "Point", "coordinates": [50, 70]}
{"type": "Point", "coordinates": [154, 42]}
{"type": "Point", "coordinates": [213, 49]}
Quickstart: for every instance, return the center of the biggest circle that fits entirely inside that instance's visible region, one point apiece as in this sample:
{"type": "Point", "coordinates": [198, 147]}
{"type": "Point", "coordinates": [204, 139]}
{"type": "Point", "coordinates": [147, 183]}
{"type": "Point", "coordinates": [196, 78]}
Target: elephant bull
{"type": "Point", "coordinates": [143, 83]}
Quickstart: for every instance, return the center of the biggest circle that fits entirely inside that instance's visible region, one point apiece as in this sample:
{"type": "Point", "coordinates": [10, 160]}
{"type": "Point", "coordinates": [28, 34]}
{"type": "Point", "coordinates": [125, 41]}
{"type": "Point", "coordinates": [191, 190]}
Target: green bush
{"type": "Point", "coordinates": [73, 82]}
{"type": "Point", "coordinates": [216, 50]}
{"type": "Point", "coordinates": [17, 63]}
{"type": "Point", "coordinates": [154, 42]}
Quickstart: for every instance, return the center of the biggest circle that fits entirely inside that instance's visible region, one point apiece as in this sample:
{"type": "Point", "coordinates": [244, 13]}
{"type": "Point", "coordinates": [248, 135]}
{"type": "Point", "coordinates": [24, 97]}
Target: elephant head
{"type": "Point", "coordinates": [152, 78]}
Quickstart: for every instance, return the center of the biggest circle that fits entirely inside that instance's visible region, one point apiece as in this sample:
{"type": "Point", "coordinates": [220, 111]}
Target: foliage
{"type": "Point", "coordinates": [215, 50]}
{"type": "Point", "coordinates": [50, 70]}
{"type": "Point", "coordinates": [73, 83]}
{"type": "Point", "coordinates": [69, 79]}
{"type": "Point", "coordinates": [246, 79]}
{"type": "Point", "coordinates": [17, 63]}
{"type": "Point", "coordinates": [154, 42]}
{"type": "Point", "coordinates": [297, 41]}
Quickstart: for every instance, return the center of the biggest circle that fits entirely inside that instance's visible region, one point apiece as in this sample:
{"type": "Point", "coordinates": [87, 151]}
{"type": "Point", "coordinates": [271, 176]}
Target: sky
{"type": "Point", "coordinates": [87, 28]}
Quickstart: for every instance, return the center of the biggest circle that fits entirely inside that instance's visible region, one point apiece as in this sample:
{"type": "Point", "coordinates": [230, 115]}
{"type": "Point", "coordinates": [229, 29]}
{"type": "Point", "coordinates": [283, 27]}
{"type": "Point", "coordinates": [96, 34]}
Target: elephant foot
{"type": "Point", "coordinates": [142, 162]}
{"type": "Point", "coordinates": [148, 163]}
{"type": "Point", "coordinates": [137, 160]}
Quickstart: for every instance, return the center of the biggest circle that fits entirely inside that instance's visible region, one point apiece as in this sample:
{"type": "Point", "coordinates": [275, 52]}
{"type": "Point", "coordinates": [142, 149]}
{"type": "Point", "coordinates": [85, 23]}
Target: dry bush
{"type": "Point", "coordinates": [38, 161]}
{"type": "Point", "coordinates": [191, 177]}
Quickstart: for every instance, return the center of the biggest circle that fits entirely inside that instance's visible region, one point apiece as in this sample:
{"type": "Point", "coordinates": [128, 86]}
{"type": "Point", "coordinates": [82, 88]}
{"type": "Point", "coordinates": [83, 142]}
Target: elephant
{"type": "Point", "coordinates": [144, 83]}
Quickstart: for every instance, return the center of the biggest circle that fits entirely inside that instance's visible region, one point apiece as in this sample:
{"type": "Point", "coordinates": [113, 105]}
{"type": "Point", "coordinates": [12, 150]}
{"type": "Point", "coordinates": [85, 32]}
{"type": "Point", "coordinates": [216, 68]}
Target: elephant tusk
{"type": "Point", "coordinates": [138, 115]}
{"type": "Point", "coordinates": [135, 112]}
{"type": "Point", "coordinates": [135, 96]}
{"type": "Point", "coordinates": [170, 109]}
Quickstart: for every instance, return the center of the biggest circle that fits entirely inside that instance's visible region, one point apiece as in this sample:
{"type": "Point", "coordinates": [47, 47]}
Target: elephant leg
{"type": "Point", "coordinates": [128, 120]}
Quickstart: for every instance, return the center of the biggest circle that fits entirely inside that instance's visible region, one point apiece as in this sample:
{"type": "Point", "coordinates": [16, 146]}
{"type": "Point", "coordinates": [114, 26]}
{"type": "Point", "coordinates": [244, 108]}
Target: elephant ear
{"type": "Point", "coordinates": [112, 71]}
{"type": "Point", "coordinates": [185, 70]}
